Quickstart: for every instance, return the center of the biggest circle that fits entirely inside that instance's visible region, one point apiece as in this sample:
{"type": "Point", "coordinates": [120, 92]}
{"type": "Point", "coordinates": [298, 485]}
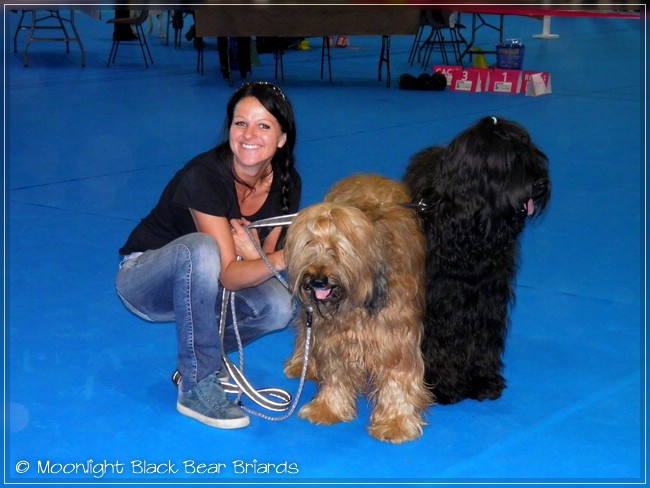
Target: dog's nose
{"type": "Point", "coordinates": [318, 282]}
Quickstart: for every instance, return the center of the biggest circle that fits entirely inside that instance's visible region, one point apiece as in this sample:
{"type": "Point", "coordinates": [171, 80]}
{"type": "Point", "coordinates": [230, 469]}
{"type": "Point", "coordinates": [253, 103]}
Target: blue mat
{"type": "Point", "coordinates": [87, 391]}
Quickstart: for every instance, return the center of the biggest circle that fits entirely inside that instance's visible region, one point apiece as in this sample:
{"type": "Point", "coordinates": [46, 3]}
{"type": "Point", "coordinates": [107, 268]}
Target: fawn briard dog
{"type": "Point", "coordinates": [478, 193]}
{"type": "Point", "coordinates": [357, 259]}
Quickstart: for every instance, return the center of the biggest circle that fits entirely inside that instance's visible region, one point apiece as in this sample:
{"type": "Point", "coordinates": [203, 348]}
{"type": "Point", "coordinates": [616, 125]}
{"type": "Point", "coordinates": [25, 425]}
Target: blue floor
{"type": "Point", "coordinates": [88, 150]}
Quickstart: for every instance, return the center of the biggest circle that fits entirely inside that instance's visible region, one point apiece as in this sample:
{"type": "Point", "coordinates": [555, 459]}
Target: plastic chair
{"type": "Point", "coordinates": [439, 22]}
{"type": "Point", "coordinates": [136, 22]}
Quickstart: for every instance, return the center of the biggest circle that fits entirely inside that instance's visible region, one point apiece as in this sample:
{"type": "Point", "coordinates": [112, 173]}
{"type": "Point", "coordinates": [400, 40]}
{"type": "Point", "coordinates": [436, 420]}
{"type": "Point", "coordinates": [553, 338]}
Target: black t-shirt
{"type": "Point", "coordinates": [205, 184]}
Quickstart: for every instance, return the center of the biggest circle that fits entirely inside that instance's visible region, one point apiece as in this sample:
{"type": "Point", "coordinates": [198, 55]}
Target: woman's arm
{"type": "Point", "coordinates": [233, 241]}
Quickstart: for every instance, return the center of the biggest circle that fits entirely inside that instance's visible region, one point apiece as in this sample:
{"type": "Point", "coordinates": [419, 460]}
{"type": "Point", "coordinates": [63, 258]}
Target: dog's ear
{"type": "Point", "coordinates": [379, 297]}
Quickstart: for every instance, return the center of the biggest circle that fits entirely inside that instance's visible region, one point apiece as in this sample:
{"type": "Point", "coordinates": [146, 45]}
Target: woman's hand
{"type": "Point", "coordinates": [247, 250]}
{"type": "Point", "coordinates": [244, 247]}
{"type": "Point", "coordinates": [233, 241]}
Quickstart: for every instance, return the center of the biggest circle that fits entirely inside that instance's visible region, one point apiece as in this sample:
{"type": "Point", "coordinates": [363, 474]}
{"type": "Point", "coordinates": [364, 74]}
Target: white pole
{"type": "Point", "coordinates": [546, 30]}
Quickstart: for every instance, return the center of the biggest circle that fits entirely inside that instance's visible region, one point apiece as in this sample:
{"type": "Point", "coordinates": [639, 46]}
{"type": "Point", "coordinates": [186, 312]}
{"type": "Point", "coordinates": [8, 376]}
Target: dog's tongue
{"type": "Point", "coordinates": [530, 206]}
{"type": "Point", "coordinates": [322, 293]}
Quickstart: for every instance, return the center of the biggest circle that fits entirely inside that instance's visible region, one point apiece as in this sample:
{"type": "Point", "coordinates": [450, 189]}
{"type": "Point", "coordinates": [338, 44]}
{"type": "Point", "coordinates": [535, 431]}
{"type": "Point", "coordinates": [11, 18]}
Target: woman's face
{"type": "Point", "coordinates": [255, 134]}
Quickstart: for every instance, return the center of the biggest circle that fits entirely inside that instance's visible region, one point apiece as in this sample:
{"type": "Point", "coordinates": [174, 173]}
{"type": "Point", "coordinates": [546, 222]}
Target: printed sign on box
{"type": "Point", "coordinates": [464, 80]}
{"type": "Point", "coordinates": [476, 80]}
{"type": "Point", "coordinates": [536, 83]}
{"type": "Point", "coordinates": [504, 81]}
{"type": "Point", "coordinates": [470, 80]}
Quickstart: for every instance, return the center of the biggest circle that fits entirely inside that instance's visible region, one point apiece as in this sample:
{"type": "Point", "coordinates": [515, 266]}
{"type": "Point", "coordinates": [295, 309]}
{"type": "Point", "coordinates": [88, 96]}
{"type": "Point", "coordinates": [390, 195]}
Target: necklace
{"type": "Point", "coordinates": [260, 187]}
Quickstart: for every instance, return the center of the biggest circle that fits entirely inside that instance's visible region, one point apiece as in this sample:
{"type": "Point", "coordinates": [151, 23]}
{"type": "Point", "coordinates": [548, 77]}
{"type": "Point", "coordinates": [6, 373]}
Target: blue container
{"type": "Point", "coordinates": [510, 54]}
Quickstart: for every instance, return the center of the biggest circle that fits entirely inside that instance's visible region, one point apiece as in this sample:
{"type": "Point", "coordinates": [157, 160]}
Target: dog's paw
{"type": "Point", "coordinates": [319, 413]}
{"type": "Point", "coordinates": [481, 395]}
{"type": "Point", "coordinates": [489, 387]}
{"type": "Point", "coordinates": [397, 430]}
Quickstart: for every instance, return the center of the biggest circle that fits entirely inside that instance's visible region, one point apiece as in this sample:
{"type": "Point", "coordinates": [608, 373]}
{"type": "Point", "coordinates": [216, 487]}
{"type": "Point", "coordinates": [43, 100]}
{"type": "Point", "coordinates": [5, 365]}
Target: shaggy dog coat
{"type": "Point", "coordinates": [357, 259]}
{"type": "Point", "coordinates": [476, 195]}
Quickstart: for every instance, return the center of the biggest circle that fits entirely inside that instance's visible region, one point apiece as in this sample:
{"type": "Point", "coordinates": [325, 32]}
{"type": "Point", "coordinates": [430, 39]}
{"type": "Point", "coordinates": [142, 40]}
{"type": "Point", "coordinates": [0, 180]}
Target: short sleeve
{"type": "Point", "coordinates": [202, 189]}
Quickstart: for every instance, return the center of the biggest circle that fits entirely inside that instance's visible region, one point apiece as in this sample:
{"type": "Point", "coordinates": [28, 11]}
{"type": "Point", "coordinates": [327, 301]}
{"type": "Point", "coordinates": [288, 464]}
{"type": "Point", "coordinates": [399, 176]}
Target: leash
{"type": "Point", "coordinates": [274, 399]}
{"type": "Point", "coordinates": [270, 222]}
{"type": "Point", "coordinates": [266, 397]}
{"type": "Point", "coordinates": [421, 206]}
{"type": "Point", "coordinates": [273, 221]}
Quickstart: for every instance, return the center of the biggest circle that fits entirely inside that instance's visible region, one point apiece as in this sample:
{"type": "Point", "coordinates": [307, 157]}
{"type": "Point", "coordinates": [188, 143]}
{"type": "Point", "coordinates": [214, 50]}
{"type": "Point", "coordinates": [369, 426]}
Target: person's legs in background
{"type": "Point", "coordinates": [240, 52]}
{"type": "Point", "coordinates": [120, 31]}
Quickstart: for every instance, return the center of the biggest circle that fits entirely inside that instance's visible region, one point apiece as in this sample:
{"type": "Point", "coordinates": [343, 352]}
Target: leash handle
{"type": "Point", "coordinates": [241, 385]}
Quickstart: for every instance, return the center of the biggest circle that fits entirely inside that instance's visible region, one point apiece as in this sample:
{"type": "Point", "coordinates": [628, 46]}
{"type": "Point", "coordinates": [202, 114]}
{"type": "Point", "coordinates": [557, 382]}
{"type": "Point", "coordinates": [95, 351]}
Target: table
{"type": "Point", "coordinates": [310, 21]}
{"type": "Point", "coordinates": [57, 22]}
{"type": "Point", "coordinates": [541, 12]}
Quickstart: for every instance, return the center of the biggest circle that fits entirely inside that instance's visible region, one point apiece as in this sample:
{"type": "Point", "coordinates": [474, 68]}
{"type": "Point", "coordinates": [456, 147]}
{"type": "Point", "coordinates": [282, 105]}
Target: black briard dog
{"type": "Point", "coordinates": [475, 197]}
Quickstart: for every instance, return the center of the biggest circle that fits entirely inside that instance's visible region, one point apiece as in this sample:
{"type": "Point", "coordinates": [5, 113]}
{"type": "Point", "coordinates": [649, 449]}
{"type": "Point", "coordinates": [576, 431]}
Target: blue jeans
{"type": "Point", "coordinates": [180, 282]}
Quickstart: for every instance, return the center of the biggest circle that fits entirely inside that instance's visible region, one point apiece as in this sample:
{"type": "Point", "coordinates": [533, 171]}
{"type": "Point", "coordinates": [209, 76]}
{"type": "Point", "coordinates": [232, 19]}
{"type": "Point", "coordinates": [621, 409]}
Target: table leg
{"type": "Point", "coordinates": [384, 56]}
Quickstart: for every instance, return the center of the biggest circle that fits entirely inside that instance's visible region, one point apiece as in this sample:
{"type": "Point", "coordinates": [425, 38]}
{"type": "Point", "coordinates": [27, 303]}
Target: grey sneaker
{"type": "Point", "coordinates": [208, 403]}
{"type": "Point", "coordinates": [222, 375]}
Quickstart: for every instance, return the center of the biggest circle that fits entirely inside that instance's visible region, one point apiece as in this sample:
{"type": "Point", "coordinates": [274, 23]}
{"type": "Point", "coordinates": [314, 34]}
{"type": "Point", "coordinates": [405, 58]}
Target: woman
{"type": "Point", "coordinates": [178, 259]}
